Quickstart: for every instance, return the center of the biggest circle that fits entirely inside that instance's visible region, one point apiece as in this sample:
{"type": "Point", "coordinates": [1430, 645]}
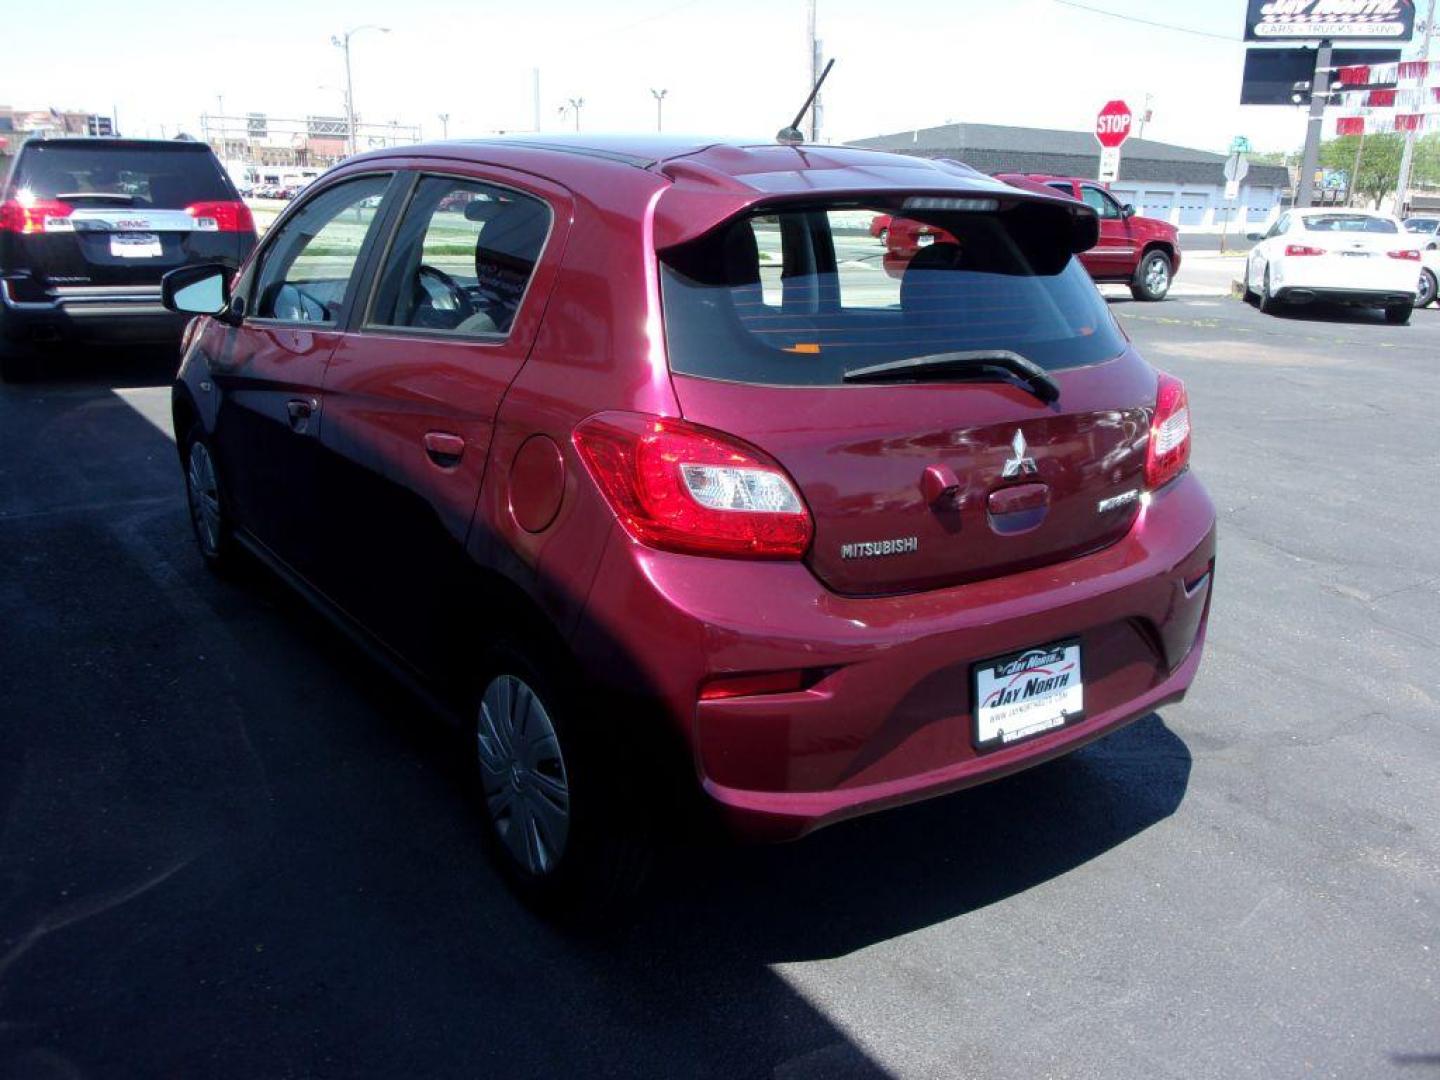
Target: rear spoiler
{"type": "Point", "coordinates": [701, 198]}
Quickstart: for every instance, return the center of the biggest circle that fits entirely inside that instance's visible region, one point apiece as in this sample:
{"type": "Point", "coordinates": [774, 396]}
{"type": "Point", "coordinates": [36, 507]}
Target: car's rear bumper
{"type": "Point", "coordinates": [890, 718]}
{"type": "Point", "coordinates": [1305, 294]}
{"type": "Point", "coordinates": [129, 314]}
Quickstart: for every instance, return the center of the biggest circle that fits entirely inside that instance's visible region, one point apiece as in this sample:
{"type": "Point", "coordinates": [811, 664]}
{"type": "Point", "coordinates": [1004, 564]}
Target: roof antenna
{"type": "Point", "coordinates": [792, 136]}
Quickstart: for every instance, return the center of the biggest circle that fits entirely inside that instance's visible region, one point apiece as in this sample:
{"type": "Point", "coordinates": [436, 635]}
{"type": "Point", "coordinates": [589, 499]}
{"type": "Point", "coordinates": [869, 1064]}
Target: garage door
{"type": "Point", "coordinates": [1158, 204]}
{"type": "Point", "coordinates": [1193, 205]}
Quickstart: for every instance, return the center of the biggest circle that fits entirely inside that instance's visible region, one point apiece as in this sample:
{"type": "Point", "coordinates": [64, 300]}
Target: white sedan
{"type": "Point", "coordinates": [1355, 257]}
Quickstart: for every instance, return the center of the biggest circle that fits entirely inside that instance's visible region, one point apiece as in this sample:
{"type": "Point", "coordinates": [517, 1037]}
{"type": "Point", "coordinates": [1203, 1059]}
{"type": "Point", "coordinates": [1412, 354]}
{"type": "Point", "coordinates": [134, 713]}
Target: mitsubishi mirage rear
{"type": "Point", "coordinates": [928, 528]}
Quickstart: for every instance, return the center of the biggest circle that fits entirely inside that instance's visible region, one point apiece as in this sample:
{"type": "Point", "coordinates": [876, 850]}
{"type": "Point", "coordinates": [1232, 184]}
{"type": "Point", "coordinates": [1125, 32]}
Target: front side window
{"type": "Point", "coordinates": [800, 297]}
{"type": "Point", "coordinates": [1103, 204]}
{"type": "Point", "coordinates": [309, 268]}
{"type": "Point", "coordinates": [462, 257]}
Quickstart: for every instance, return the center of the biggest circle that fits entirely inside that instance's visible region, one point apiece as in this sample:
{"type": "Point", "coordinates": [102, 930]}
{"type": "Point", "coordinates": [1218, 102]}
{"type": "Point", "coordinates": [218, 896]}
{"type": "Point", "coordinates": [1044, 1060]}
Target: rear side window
{"type": "Point", "coordinates": [109, 174]}
{"type": "Point", "coordinates": [1349, 223]}
{"type": "Point", "coordinates": [461, 259]}
{"type": "Point", "coordinates": [798, 297]}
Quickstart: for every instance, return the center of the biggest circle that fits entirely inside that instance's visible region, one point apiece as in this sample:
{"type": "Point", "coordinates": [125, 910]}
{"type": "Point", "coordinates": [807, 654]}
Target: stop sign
{"type": "Point", "coordinates": [1112, 126]}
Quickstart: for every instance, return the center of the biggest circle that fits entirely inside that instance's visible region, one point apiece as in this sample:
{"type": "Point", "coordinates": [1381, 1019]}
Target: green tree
{"type": "Point", "coordinates": [1380, 162]}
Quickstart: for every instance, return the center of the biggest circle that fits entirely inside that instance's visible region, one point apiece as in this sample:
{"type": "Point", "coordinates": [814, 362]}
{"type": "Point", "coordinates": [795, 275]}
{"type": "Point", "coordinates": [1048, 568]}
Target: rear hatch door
{"type": "Point", "coordinates": [945, 474]}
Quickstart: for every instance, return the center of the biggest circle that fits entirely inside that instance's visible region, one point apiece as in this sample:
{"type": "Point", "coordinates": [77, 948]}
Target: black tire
{"type": "Point", "coordinates": [1399, 315]}
{"type": "Point", "coordinates": [1153, 277]}
{"type": "Point", "coordinates": [592, 875]}
{"type": "Point", "coordinates": [1267, 303]}
{"type": "Point", "coordinates": [215, 539]}
{"type": "Point", "coordinates": [1425, 296]}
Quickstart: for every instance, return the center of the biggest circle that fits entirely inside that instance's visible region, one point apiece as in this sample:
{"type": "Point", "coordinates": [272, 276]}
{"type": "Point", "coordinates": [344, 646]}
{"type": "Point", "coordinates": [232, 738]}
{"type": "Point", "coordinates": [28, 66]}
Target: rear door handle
{"type": "Point", "coordinates": [301, 410]}
{"type": "Point", "coordinates": [444, 449]}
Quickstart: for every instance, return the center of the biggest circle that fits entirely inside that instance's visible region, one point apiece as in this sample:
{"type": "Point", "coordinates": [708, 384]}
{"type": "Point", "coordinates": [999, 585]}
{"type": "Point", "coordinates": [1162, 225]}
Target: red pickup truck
{"type": "Point", "coordinates": [1137, 251]}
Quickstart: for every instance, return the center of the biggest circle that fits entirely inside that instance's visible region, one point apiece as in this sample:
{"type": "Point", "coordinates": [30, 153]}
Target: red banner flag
{"type": "Point", "coordinates": [1350, 125]}
{"type": "Point", "coordinates": [1413, 70]}
{"type": "Point", "coordinates": [1356, 75]}
{"type": "Point", "coordinates": [1408, 121]}
{"type": "Point", "coordinates": [1380, 99]}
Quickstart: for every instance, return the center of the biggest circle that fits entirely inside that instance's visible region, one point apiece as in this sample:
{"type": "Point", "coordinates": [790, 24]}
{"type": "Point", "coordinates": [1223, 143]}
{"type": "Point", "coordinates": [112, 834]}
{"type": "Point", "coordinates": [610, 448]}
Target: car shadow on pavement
{"type": "Point", "coordinates": [88, 368]}
{"type": "Point", "coordinates": [232, 846]}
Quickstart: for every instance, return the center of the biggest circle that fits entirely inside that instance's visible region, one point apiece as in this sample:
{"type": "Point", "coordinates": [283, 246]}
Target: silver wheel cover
{"type": "Point", "coordinates": [203, 491]}
{"type": "Point", "coordinates": [1157, 277]}
{"type": "Point", "coordinates": [522, 772]}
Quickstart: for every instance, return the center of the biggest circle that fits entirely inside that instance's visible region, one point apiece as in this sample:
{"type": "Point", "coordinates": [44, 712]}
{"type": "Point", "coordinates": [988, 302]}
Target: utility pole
{"type": "Point", "coordinates": [577, 104]}
{"type": "Point", "coordinates": [1355, 172]}
{"type": "Point", "coordinates": [445, 125]}
{"type": "Point", "coordinates": [1407, 158]}
{"type": "Point", "coordinates": [814, 48]}
{"type": "Point", "coordinates": [1145, 116]}
{"type": "Point", "coordinates": [342, 42]}
{"type": "Point", "coordinates": [1319, 95]}
{"type": "Point", "coordinates": [659, 96]}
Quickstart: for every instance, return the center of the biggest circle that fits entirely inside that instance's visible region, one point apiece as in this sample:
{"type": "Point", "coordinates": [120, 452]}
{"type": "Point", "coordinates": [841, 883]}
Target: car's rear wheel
{"type": "Point", "coordinates": [1399, 314]}
{"type": "Point", "coordinates": [1425, 294]}
{"type": "Point", "coordinates": [562, 809]}
{"type": "Point", "coordinates": [205, 497]}
{"type": "Point", "coordinates": [1152, 277]}
{"type": "Point", "coordinates": [1268, 304]}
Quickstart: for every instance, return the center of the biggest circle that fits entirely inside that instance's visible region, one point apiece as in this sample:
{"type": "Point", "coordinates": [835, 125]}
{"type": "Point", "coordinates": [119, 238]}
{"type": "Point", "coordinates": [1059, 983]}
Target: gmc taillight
{"type": "Point", "coordinates": [1302, 250]}
{"type": "Point", "coordinates": [231, 215]}
{"type": "Point", "coordinates": [1169, 449]}
{"type": "Point", "coordinates": [28, 215]}
{"type": "Point", "coordinates": [681, 487]}
{"type": "Point", "coordinates": [1408, 254]}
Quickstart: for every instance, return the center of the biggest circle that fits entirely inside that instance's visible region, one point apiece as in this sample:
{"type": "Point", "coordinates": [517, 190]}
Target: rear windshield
{"type": "Point", "coordinates": [1353, 223]}
{"type": "Point", "coordinates": [113, 175]}
{"type": "Point", "coordinates": [800, 296]}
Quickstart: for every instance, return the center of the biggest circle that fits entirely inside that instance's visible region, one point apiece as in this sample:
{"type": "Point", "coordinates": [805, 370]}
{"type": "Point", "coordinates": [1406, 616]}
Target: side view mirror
{"type": "Point", "coordinates": [1254, 237]}
{"type": "Point", "coordinates": [1127, 211]}
{"type": "Point", "coordinates": [197, 290]}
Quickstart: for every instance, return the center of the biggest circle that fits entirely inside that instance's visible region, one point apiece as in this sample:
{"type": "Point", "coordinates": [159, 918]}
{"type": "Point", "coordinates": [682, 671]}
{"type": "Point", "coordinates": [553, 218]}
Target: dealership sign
{"type": "Point", "coordinates": [1290, 20]}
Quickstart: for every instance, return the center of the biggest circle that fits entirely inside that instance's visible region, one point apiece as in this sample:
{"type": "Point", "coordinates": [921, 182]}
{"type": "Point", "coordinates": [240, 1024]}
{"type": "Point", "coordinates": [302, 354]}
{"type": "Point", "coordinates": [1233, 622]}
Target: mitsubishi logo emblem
{"type": "Point", "coordinates": [1019, 465]}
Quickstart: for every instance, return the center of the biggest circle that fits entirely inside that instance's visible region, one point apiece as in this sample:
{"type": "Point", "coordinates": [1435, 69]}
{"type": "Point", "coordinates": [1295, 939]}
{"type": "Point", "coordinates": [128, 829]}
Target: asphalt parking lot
{"type": "Point", "coordinates": [231, 848]}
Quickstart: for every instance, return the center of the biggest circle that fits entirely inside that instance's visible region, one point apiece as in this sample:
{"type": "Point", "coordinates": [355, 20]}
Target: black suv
{"type": "Point", "coordinates": [88, 226]}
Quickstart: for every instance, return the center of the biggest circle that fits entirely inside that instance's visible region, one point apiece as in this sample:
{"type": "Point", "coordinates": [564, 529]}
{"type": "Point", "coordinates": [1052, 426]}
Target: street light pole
{"type": "Point", "coordinates": [343, 42]}
{"type": "Point", "coordinates": [1319, 96]}
{"type": "Point", "coordinates": [577, 104]}
{"type": "Point", "coordinates": [445, 125]}
{"type": "Point", "coordinates": [659, 108]}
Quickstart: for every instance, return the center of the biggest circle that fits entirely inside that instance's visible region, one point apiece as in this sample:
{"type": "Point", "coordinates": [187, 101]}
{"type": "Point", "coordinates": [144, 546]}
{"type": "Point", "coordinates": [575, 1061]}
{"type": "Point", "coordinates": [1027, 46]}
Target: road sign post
{"type": "Point", "coordinates": [1237, 166]}
{"type": "Point", "coordinates": [1112, 127]}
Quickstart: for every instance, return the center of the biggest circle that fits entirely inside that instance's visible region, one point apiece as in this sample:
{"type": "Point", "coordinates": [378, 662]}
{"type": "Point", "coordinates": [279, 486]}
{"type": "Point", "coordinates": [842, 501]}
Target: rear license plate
{"type": "Point", "coordinates": [135, 246]}
{"type": "Point", "coordinates": [1027, 693]}
{"type": "Point", "coordinates": [1356, 254]}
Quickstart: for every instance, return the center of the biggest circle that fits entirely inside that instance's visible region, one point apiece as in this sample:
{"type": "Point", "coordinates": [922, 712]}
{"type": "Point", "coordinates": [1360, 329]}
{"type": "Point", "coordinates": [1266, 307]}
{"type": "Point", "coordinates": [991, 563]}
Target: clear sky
{"type": "Point", "coordinates": [730, 66]}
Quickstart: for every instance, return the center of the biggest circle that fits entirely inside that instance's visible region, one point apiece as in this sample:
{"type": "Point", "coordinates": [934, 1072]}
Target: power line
{"type": "Point", "coordinates": [1147, 22]}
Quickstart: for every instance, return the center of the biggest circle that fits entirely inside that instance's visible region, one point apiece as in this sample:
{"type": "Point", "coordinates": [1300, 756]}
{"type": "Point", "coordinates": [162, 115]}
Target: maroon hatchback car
{"type": "Point", "coordinates": [614, 450]}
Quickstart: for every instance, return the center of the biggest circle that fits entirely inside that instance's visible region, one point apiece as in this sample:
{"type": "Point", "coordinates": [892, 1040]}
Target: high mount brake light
{"type": "Point", "coordinates": [26, 216]}
{"type": "Point", "coordinates": [229, 215]}
{"type": "Point", "coordinates": [681, 487]}
{"type": "Point", "coordinates": [1303, 250]}
{"type": "Point", "coordinates": [1169, 450]}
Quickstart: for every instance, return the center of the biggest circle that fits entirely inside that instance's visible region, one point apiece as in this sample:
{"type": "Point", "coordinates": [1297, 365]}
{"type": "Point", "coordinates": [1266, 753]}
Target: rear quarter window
{"type": "Point", "coordinates": [801, 296]}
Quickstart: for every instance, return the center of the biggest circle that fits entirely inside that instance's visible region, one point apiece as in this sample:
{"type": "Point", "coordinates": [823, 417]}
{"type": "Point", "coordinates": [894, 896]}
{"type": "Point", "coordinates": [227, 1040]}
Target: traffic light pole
{"type": "Point", "coordinates": [1319, 95]}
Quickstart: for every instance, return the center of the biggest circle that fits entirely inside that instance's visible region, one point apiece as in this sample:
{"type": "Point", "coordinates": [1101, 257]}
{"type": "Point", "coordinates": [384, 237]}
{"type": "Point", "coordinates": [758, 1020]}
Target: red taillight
{"type": "Point", "coordinates": [1303, 249]}
{"type": "Point", "coordinates": [30, 215]}
{"type": "Point", "coordinates": [231, 215]}
{"type": "Point", "coordinates": [681, 487]}
{"type": "Point", "coordinates": [1409, 255]}
{"type": "Point", "coordinates": [1169, 449]}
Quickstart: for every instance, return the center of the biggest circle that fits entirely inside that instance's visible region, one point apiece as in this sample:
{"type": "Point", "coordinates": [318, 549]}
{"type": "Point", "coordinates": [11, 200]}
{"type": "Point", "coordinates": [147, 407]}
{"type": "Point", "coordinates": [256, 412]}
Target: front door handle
{"type": "Point", "coordinates": [301, 410]}
{"type": "Point", "coordinates": [444, 449]}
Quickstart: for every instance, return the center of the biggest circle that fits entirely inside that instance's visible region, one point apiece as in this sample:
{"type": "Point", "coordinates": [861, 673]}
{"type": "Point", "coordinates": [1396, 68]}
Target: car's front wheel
{"type": "Point", "coordinates": [1152, 277]}
{"type": "Point", "coordinates": [560, 804]}
{"type": "Point", "coordinates": [1425, 294]}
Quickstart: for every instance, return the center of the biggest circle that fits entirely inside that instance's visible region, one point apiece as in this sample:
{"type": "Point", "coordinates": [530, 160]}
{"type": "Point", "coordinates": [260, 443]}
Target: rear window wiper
{"type": "Point", "coordinates": [963, 363]}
